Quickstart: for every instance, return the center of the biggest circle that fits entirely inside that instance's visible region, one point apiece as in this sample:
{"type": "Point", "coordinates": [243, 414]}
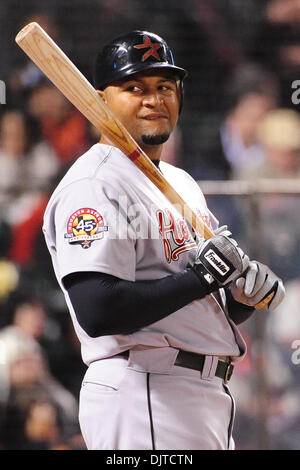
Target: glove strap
{"type": "Point", "coordinates": [205, 276]}
{"type": "Point", "coordinates": [216, 263]}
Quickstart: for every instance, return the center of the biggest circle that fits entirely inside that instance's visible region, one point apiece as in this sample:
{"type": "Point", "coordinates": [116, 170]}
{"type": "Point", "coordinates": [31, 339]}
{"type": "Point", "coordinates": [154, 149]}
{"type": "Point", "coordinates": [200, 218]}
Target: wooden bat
{"type": "Point", "coordinates": [43, 51]}
{"type": "Point", "coordinates": [36, 43]}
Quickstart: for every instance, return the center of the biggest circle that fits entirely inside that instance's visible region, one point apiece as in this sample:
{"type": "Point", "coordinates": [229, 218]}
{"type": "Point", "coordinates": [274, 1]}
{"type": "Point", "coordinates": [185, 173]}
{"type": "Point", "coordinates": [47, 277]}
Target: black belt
{"type": "Point", "coordinates": [194, 361]}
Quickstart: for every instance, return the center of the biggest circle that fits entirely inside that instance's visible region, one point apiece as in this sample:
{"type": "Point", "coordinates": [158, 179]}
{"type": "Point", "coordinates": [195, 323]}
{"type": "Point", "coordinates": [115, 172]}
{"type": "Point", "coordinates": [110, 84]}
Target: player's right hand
{"type": "Point", "coordinates": [259, 287]}
{"type": "Point", "coordinates": [219, 261]}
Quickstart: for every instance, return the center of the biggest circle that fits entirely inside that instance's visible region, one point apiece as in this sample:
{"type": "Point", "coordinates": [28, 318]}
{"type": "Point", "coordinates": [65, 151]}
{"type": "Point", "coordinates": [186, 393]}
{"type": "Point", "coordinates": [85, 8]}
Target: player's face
{"type": "Point", "coordinates": [147, 104]}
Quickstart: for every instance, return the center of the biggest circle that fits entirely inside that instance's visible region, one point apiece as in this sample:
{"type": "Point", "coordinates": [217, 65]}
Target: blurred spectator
{"type": "Point", "coordinates": [31, 319]}
{"type": "Point", "coordinates": [41, 427]}
{"type": "Point", "coordinates": [283, 331]}
{"type": "Point", "coordinates": [284, 326]}
{"type": "Point", "coordinates": [4, 235]}
{"type": "Point", "coordinates": [26, 220]}
{"type": "Point", "coordinates": [62, 126]}
{"type": "Point", "coordinates": [26, 381]}
{"type": "Point", "coordinates": [281, 234]}
{"type": "Point", "coordinates": [279, 137]}
{"type": "Point", "coordinates": [231, 142]}
{"type": "Point", "coordinates": [27, 163]}
{"type": "Point", "coordinates": [38, 408]}
{"type": "Point", "coordinates": [277, 44]}
{"type": "Point", "coordinates": [28, 166]}
{"type": "Point", "coordinates": [26, 76]}
{"type": "Point", "coordinates": [9, 279]}
{"type": "Point", "coordinates": [269, 362]}
{"type": "Point", "coordinates": [207, 50]}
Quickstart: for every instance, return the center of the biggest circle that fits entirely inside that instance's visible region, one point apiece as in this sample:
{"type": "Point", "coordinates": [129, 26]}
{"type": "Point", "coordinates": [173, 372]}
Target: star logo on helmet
{"type": "Point", "coordinates": [152, 51]}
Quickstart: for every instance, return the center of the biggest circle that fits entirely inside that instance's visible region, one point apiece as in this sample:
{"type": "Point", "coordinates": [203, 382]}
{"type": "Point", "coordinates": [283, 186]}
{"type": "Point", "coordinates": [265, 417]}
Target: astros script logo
{"type": "Point", "coordinates": [85, 226]}
{"type": "Point", "coordinates": [176, 235]}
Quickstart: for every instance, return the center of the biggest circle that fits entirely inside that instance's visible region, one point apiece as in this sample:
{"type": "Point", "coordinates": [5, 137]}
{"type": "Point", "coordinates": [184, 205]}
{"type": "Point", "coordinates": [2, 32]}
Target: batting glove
{"type": "Point", "coordinates": [259, 288]}
{"type": "Point", "coordinates": [219, 261]}
{"type": "Point", "coordinates": [223, 230]}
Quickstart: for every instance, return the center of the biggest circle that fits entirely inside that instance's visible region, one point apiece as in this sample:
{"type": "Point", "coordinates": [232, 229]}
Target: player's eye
{"type": "Point", "coordinates": [167, 87]}
{"type": "Point", "coordinates": [133, 88]}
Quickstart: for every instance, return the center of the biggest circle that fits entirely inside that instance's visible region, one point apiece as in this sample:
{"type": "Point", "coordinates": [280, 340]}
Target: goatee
{"type": "Point", "coordinates": [155, 139]}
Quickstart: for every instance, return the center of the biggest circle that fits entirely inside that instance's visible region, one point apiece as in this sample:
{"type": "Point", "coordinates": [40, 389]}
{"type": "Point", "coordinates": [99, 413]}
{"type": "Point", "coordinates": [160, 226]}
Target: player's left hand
{"type": "Point", "coordinates": [259, 287]}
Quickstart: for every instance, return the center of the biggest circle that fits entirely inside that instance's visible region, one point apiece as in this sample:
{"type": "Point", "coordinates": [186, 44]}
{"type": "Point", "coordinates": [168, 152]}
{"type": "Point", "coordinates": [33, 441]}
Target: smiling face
{"type": "Point", "coordinates": [147, 104]}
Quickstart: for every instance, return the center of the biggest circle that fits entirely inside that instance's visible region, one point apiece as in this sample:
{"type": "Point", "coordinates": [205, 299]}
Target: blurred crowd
{"type": "Point", "coordinates": [238, 123]}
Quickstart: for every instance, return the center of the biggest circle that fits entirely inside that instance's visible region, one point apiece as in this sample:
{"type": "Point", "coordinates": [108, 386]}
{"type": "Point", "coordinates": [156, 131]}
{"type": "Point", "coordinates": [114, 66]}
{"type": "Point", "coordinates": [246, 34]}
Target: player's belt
{"type": "Point", "coordinates": [195, 361]}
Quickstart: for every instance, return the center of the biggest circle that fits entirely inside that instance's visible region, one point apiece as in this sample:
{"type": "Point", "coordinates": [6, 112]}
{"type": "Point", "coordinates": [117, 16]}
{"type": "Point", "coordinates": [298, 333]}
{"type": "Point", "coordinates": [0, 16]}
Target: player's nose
{"type": "Point", "coordinates": [152, 99]}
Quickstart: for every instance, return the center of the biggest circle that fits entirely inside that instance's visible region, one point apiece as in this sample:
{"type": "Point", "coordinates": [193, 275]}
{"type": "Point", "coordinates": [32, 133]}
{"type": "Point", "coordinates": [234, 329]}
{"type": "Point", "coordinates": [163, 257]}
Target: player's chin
{"type": "Point", "coordinates": [155, 139]}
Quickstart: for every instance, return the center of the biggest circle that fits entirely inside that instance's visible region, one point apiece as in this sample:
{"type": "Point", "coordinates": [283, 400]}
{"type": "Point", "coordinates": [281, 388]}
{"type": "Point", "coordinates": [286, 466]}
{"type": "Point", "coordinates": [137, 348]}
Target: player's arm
{"type": "Point", "coordinates": [106, 305]}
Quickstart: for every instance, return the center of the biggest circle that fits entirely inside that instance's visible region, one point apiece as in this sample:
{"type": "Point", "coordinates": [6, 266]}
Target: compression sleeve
{"type": "Point", "coordinates": [238, 312]}
{"type": "Point", "coordinates": [106, 305]}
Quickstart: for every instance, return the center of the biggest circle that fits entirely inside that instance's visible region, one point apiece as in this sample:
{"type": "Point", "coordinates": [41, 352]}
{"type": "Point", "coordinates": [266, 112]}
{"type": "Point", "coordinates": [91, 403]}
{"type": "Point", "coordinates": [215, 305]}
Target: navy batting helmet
{"type": "Point", "coordinates": [132, 53]}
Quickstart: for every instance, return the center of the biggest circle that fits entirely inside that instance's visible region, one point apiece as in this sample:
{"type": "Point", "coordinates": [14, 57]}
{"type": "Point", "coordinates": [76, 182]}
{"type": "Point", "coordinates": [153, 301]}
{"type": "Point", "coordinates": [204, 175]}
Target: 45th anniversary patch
{"type": "Point", "coordinates": [85, 226]}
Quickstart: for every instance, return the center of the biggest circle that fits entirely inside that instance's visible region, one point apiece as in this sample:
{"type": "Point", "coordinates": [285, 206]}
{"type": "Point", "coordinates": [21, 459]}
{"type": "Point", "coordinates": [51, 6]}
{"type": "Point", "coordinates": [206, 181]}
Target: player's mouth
{"type": "Point", "coordinates": [153, 116]}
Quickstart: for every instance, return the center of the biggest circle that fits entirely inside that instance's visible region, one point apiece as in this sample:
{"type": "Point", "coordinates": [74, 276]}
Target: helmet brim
{"type": "Point", "coordinates": [137, 68]}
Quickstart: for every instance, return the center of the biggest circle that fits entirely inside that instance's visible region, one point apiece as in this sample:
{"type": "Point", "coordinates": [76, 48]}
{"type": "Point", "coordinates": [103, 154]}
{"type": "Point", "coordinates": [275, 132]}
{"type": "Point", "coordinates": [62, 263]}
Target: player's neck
{"type": "Point", "coordinates": [152, 151]}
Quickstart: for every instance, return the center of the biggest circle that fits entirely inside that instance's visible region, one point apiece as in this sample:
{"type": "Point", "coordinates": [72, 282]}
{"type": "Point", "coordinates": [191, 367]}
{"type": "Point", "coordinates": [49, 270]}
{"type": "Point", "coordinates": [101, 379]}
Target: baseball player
{"type": "Point", "coordinates": [154, 305]}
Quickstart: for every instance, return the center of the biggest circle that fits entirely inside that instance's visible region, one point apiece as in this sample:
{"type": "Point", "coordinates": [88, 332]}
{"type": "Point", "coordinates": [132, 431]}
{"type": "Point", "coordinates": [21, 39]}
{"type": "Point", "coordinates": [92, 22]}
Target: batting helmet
{"type": "Point", "coordinates": [134, 52]}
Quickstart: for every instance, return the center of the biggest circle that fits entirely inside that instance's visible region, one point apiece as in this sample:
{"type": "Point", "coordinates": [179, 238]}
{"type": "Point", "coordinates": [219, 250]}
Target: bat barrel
{"type": "Point", "coordinates": [26, 30]}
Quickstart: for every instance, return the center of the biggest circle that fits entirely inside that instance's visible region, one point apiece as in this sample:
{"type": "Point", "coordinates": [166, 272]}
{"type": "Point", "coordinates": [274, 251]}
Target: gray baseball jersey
{"type": "Point", "coordinates": [107, 216]}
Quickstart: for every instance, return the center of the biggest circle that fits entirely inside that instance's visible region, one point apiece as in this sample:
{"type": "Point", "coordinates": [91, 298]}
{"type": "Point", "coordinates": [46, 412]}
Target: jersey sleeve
{"type": "Point", "coordinates": [92, 231]}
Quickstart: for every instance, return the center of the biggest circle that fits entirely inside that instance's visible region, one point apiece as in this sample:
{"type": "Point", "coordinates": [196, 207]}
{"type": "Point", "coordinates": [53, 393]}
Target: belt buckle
{"type": "Point", "coordinates": [228, 373]}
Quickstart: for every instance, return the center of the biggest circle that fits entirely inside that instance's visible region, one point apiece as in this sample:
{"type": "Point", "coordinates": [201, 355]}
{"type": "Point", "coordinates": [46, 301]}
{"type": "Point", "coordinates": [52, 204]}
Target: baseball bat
{"type": "Point", "coordinates": [46, 54]}
{"type": "Point", "coordinates": [43, 51]}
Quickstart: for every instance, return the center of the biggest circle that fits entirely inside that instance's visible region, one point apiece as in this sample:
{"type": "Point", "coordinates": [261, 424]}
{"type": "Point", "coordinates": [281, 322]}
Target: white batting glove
{"type": "Point", "coordinates": [259, 288]}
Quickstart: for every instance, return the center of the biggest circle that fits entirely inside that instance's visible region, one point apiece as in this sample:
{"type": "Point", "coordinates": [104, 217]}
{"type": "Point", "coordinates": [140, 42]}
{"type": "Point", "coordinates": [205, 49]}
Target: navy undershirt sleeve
{"type": "Point", "coordinates": [106, 305]}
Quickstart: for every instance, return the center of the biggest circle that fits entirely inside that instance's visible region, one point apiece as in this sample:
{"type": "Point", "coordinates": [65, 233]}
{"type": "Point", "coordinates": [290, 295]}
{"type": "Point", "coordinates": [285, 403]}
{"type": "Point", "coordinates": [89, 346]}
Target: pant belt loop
{"type": "Point", "coordinates": [209, 367]}
{"type": "Point", "coordinates": [229, 371]}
